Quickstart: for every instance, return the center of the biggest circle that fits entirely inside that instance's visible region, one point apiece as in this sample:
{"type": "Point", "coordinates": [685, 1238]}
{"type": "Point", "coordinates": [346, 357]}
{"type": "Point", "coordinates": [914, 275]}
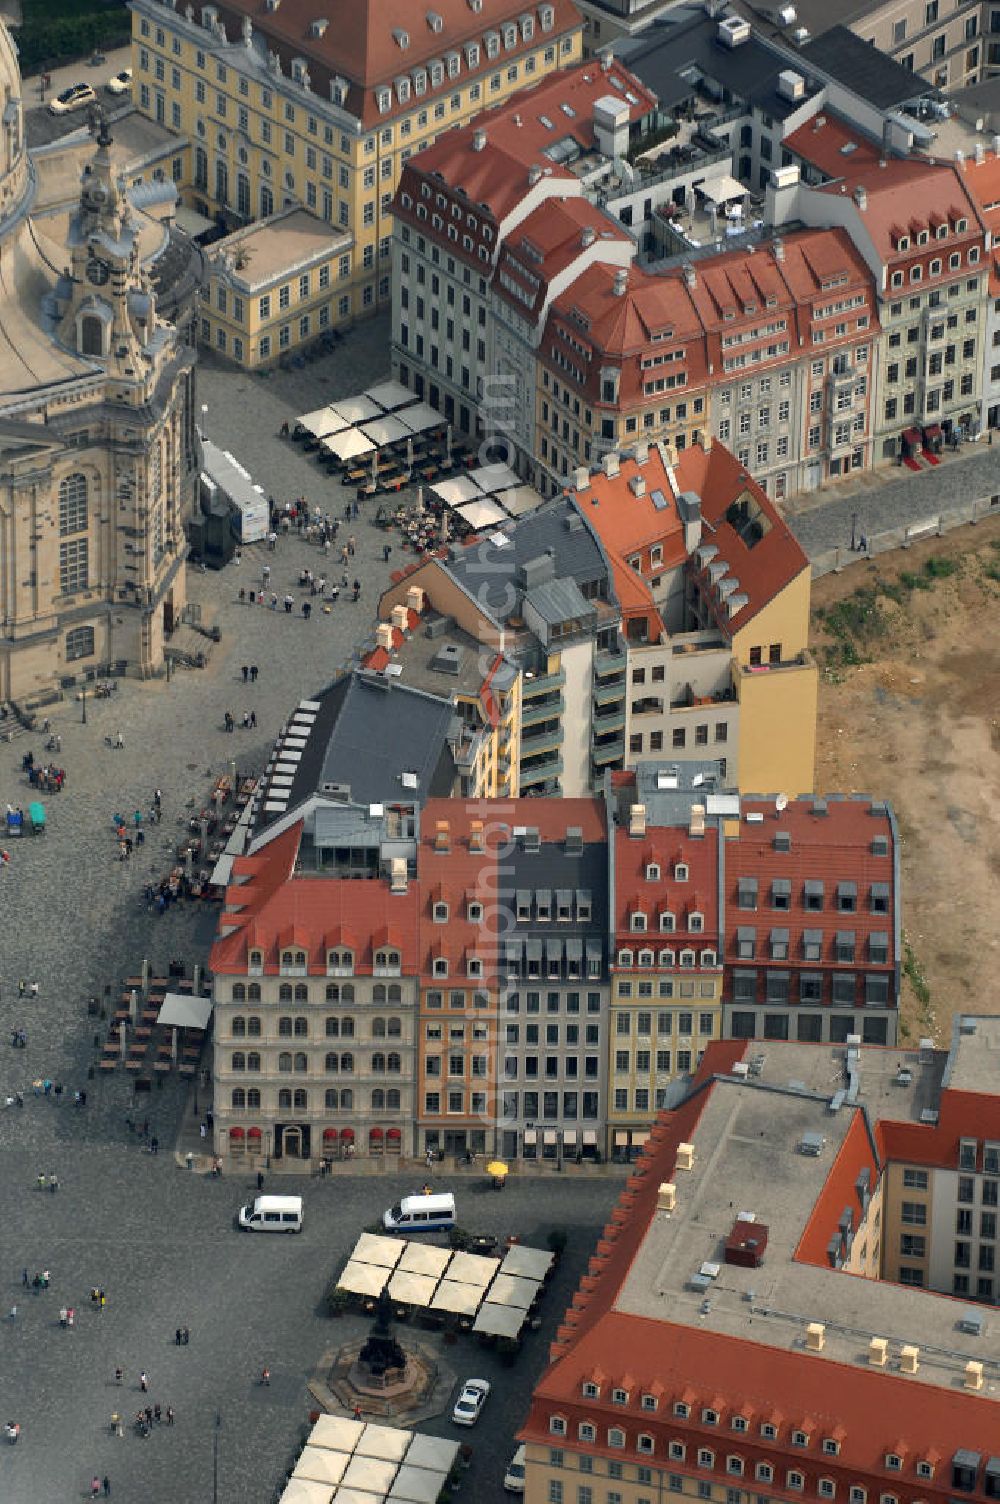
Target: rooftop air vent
{"type": "Point", "coordinates": [746, 1244]}
{"type": "Point", "coordinates": [733, 31]}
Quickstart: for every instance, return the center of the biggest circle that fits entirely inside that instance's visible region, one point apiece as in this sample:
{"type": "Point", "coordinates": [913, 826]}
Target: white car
{"type": "Point", "coordinates": [121, 83]}
{"type": "Point", "coordinates": [73, 98]}
{"type": "Point", "coordinates": [513, 1478]}
{"type": "Point", "coordinates": [469, 1405]}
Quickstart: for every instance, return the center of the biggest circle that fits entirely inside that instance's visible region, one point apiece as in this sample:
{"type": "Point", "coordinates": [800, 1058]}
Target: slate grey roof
{"type": "Point", "coordinates": [864, 70]}
{"type": "Point", "coordinates": [558, 601]}
{"type": "Point", "coordinates": [660, 56]}
{"type": "Point", "coordinates": [355, 743]}
{"type": "Point", "coordinates": [490, 573]}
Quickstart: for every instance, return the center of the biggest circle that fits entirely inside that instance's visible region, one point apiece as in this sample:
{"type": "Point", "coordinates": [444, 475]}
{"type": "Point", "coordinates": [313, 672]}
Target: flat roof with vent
{"type": "Point", "coordinates": [747, 1142]}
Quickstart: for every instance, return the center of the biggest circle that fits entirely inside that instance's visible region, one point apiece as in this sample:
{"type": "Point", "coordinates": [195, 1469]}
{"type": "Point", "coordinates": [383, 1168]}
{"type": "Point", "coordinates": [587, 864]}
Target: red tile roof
{"type": "Point", "coordinates": [360, 45]}
{"type": "Point", "coordinates": [867, 1411]}
{"type": "Point", "coordinates": [546, 244]}
{"type": "Point", "coordinates": [665, 847]}
{"type": "Point", "coordinates": [517, 133]}
{"type": "Point", "coordinates": [822, 141]}
{"type": "Point", "coordinates": [763, 570]}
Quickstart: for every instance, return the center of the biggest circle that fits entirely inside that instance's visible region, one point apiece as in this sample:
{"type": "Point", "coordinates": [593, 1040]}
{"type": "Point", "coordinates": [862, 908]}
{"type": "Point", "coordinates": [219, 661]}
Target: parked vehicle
{"type": "Point", "coordinates": [469, 1405]}
{"type": "Point", "coordinates": [272, 1214]}
{"type": "Point", "coordinates": [513, 1478]}
{"type": "Point", "coordinates": [121, 83]}
{"type": "Point", "coordinates": [423, 1213]}
{"type": "Point", "coordinates": [73, 98]}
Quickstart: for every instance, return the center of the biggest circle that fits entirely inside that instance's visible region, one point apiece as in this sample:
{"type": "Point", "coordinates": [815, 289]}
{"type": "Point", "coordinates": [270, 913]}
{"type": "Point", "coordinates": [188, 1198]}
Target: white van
{"type": "Point", "coordinates": [513, 1478]}
{"type": "Point", "coordinates": [421, 1214]}
{"type": "Point", "coordinates": [272, 1214]}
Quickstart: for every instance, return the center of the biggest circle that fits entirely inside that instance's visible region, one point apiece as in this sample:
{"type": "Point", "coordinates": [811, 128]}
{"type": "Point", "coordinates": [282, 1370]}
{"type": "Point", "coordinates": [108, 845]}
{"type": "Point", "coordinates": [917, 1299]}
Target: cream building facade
{"type": "Point", "coordinates": [97, 445]}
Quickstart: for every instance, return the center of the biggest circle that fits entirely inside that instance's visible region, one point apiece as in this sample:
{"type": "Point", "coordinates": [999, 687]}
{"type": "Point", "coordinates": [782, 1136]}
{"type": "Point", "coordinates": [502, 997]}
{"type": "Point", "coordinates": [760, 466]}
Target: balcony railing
{"type": "Point", "coordinates": [541, 684]}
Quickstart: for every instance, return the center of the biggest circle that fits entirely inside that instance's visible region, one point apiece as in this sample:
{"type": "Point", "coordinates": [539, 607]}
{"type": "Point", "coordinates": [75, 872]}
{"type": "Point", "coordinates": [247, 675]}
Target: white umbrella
{"type": "Point", "coordinates": [122, 1045]}
{"type": "Point", "coordinates": [447, 441]}
{"type": "Point", "coordinates": [133, 1004]}
{"type": "Point", "coordinates": [420, 501]}
{"type": "Point", "coordinates": [409, 454]}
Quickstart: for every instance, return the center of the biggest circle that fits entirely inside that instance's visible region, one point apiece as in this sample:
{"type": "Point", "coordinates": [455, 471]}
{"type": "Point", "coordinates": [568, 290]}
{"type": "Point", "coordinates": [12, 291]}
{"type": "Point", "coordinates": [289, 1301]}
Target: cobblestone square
{"type": "Point", "coordinates": [159, 1239]}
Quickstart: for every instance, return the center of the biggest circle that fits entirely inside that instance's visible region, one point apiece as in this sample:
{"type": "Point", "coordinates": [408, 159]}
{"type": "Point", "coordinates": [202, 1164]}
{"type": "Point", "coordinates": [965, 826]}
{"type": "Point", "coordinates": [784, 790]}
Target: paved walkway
{"type": "Point", "coordinates": [891, 498]}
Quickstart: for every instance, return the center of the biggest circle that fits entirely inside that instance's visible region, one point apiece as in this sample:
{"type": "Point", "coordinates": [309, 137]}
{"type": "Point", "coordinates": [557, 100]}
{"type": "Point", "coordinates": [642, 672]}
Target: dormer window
{"type": "Point", "coordinates": [616, 1438]}
{"type": "Point", "coordinates": [587, 1431]}
{"type": "Point", "coordinates": [666, 958]}
{"type": "Point", "coordinates": [696, 922]}
{"type": "Point", "coordinates": [293, 962]}
{"type": "Point", "coordinates": [383, 99]}
{"type": "Point", "coordinates": [769, 1431]}
{"type": "Point", "coordinates": [925, 1470]}
{"type": "Point", "coordinates": [387, 961]}
{"type": "Point", "coordinates": [681, 872]}
{"type": "Point", "coordinates": [799, 1439]}
{"type": "Point", "coordinates": [893, 1462]}
{"type": "Point", "coordinates": [625, 958]}
{"type": "Point", "coordinates": [510, 36]}
{"type": "Point", "coordinates": [619, 1396]}
{"type": "Point", "coordinates": [708, 958]}
{"type": "Point", "coordinates": [652, 872]}
{"type": "Point", "coordinates": [644, 1443]}
{"type": "Point", "coordinates": [492, 44]}
{"type": "Point", "coordinates": [830, 1446]}
{"type": "Point", "coordinates": [434, 21]}
{"type": "Point", "coordinates": [255, 963]}
{"type": "Point", "coordinates": [639, 923]}
{"type": "Point", "coordinates": [681, 1409]}
{"type": "Point", "coordinates": [649, 1402]}
{"type": "Point", "coordinates": [961, 226]}
{"type": "Point", "coordinates": [546, 17]}
{"type": "Point", "coordinates": [740, 1423]}
{"type": "Point", "coordinates": [440, 913]}
{"type": "Point", "coordinates": [687, 957]}
{"type": "Point", "coordinates": [668, 922]}
{"type": "Point", "coordinates": [904, 243]}
{"type": "Point", "coordinates": [474, 966]}
{"type": "Point", "coordinates": [557, 1425]}
{"type": "Point", "coordinates": [440, 966]}
{"type": "Point", "coordinates": [591, 1391]}
{"type": "Point", "coordinates": [710, 1417]}
{"type": "Point", "coordinates": [645, 958]}
{"type": "Point", "coordinates": [474, 912]}
{"type": "Point", "coordinates": [339, 962]}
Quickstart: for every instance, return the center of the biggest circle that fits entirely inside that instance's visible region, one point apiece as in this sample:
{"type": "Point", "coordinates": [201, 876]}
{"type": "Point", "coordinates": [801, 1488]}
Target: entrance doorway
{"type": "Point", "coordinates": [291, 1141]}
{"type": "Point", "coordinates": [168, 615]}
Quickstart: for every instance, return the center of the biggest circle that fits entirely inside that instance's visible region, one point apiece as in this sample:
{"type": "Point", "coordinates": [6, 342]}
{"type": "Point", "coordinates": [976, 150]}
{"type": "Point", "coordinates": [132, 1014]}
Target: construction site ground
{"type": "Point", "coordinates": [909, 652]}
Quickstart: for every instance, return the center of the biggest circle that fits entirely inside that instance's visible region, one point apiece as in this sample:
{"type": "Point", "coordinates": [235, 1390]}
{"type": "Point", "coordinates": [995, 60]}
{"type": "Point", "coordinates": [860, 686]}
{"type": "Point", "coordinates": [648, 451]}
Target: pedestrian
{"type": "Point", "coordinates": [177, 1337]}
{"type": "Point", "coordinates": [253, 673]}
{"type": "Point", "coordinates": [34, 989]}
{"type": "Point", "coordinates": [246, 723]}
{"type": "Point", "coordinates": [246, 672]}
{"type": "Point", "coordinates": [12, 1313]}
{"type": "Point", "coordinates": [106, 1485]}
{"type": "Point", "coordinates": [117, 1427]}
{"type": "Point", "coordinates": [203, 1130]}
{"type": "Point", "coordinates": [119, 1376]}
{"type": "Point", "coordinates": [357, 1412]}
{"type": "Point", "coordinates": [144, 1382]}
{"type": "Point", "coordinates": [352, 546]}
{"type": "Point", "coordinates": [95, 1486]}
{"type": "Point", "coordinates": [386, 551]}
{"type": "Point", "coordinates": [265, 575]}
{"type": "Point", "coordinates": [119, 742]}
{"type": "Point", "coordinates": [154, 1145]}
{"type": "Point", "coordinates": [24, 1278]}
{"type": "Point", "coordinates": [306, 609]}
{"type": "Point", "coordinates": [156, 1414]}
{"type": "Point", "coordinates": [243, 595]}
{"type": "Point", "coordinates": [344, 554]}
{"type": "Point", "coordinates": [289, 603]}
{"type": "Point", "coordinates": [22, 987]}
{"type": "Point", "coordinates": [253, 719]}
{"type": "Point", "coordinates": [148, 1413]}
{"type": "Point", "coordinates": [170, 1415]}
{"type": "Point", "coordinates": [260, 1184]}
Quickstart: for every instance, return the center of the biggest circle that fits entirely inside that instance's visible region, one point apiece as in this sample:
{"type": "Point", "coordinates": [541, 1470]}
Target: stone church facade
{"type": "Point", "coordinates": [98, 450]}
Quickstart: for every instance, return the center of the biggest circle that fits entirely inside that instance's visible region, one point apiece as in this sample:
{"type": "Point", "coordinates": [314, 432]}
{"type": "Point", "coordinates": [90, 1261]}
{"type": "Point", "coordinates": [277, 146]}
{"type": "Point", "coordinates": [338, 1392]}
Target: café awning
{"type": "Point", "coordinates": [472, 1269]}
{"type": "Point", "coordinates": [181, 1010]}
{"type": "Point", "coordinates": [509, 1290]}
{"type": "Point", "coordinates": [723, 190]}
{"type": "Point", "coordinates": [527, 1263]}
{"type": "Point", "coordinates": [362, 1279]}
{"type": "Point", "coordinates": [463, 1300]}
{"type": "Point", "coordinates": [373, 1248]}
{"type": "Point", "coordinates": [349, 444]}
{"type": "Point", "coordinates": [420, 418]}
{"type": "Point", "coordinates": [499, 1321]}
{"type": "Point", "coordinates": [412, 1289]}
{"type": "Point", "coordinates": [358, 409]}
{"type": "Point", "coordinates": [480, 514]}
{"type": "Point", "coordinates": [386, 430]}
{"type": "Point", "coordinates": [389, 395]}
{"type": "Point", "coordinates": [321, 1465]}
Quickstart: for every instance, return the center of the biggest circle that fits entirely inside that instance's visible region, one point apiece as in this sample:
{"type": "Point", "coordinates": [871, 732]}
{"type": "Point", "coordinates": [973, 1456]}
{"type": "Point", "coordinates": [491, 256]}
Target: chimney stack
{"type": "Point", "coordinates": [779, 248]}
{"type": "Point", "coordinates": [581, 478]}
{"type": "Point", "coordinates": [690, 275]}
{"type": "Point", "coordinates": [685, 1156]}
{"type": "Point", "coordinates": [478, 140]}
{"type": "Point", "coordinates": [861, 196]}
{"type": "Point", "coordinates": [815, 1336]}
{"type": "Point", "coordinates": [621, 281]}
{"type": "Point", "coordinates": [697, 823]}
{"type": "Point", "coordinates": [609, 464]}
{"type": "Point", "coordinates": [415, 600]}
{"type": "Point", "coordinates": [383, 635]}
{"type": "Point", "coordinates": [637, 820]}
{"type": "Point", "coordinates": [587, 236]}
{"type": "Point", "coordinates": [666, 1196]}
{"type": "Point", "coordinates": [400, 618]}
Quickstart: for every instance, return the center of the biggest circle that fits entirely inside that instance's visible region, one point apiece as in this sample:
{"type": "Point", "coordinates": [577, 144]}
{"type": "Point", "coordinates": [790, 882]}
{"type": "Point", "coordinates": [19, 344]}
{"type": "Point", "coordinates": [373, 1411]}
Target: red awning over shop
{"type": "Point", "coordinates": [375, 1133]}
{"type": "Point", "coordinates": [347, 1132]}
{"type": "Point", "coordinates": [394, 1133]}
{"type": "Point", "coordinates": [912, 436]}
{"type": "Point", "coordinates": [932, 431]}
{"type": "Point", "coordinates": [330, 1135]}
{"type": "Point", "coordinates": [254, 1133]}
{"type": "Point", "coordinates": [236, 1133]}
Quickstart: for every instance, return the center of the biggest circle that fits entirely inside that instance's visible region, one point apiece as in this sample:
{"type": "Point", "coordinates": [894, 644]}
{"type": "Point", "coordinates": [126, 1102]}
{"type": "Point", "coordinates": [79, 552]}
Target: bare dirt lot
{"type": "Point", "coordinates": [909, 651]}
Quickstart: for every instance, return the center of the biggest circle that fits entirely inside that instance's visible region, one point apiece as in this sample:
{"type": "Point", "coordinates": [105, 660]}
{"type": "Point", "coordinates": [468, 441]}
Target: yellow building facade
{"type": "Point", "coordinates": [278, 110]}
{"type": "Point", "coordinates": [270, 288]}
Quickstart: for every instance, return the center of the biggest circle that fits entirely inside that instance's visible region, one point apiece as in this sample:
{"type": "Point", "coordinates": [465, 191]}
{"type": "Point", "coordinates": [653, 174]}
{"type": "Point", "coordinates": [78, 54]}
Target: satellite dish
{"type": "Point", "coordinates": [781, 803]}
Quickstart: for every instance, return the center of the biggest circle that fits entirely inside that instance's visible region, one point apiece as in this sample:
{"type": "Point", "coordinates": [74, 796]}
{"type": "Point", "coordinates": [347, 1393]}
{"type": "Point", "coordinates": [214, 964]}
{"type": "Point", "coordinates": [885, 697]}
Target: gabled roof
{"type": "Point", "coordinates": [763, 567]}
{"type": "Point", "coordinates": [490, 159]}
{"type": "Point", "coordinates": [362, 39]}
{"type": "Point", "coordinates": [864, 70]}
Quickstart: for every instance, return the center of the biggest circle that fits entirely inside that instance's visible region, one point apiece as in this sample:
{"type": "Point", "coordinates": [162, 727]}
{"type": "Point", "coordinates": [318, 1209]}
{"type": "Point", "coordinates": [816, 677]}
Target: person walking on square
{"type": "Point", "coordinates": [106, 1485]}
{"type": "Point", "coordinates": [95, 1487]}
{"type": "Point", "coordinates": [144, 1381]}
{"type": "Point", "coordinates": [253, 673]}
{"type": "Point", "coordinates": [246, 672]}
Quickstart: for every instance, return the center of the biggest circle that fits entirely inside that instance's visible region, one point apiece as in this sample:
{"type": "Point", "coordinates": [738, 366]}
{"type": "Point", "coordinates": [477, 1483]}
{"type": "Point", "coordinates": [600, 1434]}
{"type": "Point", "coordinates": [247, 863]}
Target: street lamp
{"type": "Point", "coordinates": [854, 527]}
{"type": "Point", "coordinates": [215, 1457]}
{"type": "Point", "coordinates": [204, 420]}
{"type": "Point", "coordinates": [83, 705]}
